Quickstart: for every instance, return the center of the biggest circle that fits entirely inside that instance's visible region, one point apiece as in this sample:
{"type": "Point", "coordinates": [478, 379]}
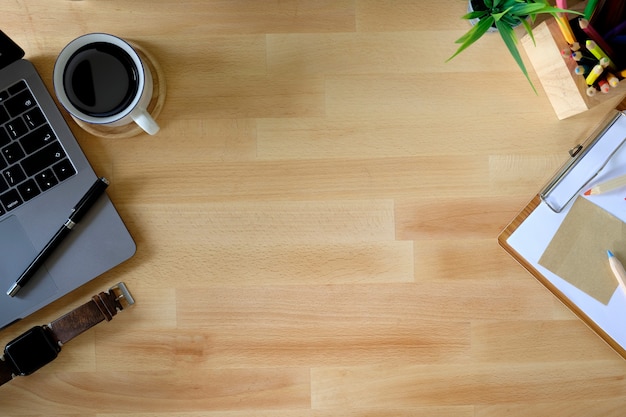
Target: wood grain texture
{"type": "Point", "coordinates": [317, 222]}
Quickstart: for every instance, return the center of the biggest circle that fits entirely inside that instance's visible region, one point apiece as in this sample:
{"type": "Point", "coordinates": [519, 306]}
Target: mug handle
{"type": "Point", "coordinates": [145, 121]}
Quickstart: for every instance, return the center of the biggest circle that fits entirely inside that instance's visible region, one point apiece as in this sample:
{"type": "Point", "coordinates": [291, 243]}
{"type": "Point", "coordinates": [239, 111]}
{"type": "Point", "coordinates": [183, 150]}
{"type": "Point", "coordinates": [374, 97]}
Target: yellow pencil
{"type": "Point", "coordinates": [594, 74]}
{"type": "Point", "coordinates": [607, 185]}
{"type": "Point", "coordinates": [565, 27]}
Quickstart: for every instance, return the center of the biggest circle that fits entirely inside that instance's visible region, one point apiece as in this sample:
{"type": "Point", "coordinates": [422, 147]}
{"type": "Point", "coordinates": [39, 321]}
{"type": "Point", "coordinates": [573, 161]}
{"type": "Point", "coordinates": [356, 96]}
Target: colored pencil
{"type": "Point", "coordinates": [581, 70]}
{"type": "Point", "coordinates": [620, 39]}
{"type": "Point", "coordinates": [565, 27]}
{"type": "Point", "coordinates": [598, 52]}
{"type": "Point", "coordinates": [604, 86]}
{"type": "Point", "coordinates": [616, 30]}
{"type": "Point", "coordinates": [591, 91]}
{"type": "Point", "coordinates": [595, 36]}
{"type": "Point", "coordinates": [590, 8]}
{"type": "Point", "coordinates": [582, 59]}
{"type": "Point", "coordinates": [594, 74]}
{"type": "Point", "coordinates": [618, 270]}
{"type": "Point", "coordinates": [608, 185]}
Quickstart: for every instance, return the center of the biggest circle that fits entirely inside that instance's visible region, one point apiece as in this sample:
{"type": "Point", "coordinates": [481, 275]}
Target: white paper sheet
{"type": "Point", "coordinates": [532, 237]}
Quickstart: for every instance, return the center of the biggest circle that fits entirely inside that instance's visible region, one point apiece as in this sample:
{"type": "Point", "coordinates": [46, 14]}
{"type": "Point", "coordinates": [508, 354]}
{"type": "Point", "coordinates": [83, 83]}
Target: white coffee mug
{"type": "Point", "coordinates": [100, 79]}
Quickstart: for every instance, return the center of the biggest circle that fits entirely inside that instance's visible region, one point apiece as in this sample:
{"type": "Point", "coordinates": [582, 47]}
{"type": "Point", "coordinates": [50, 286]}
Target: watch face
{"type": "Point", "coordinates": [31, 350]}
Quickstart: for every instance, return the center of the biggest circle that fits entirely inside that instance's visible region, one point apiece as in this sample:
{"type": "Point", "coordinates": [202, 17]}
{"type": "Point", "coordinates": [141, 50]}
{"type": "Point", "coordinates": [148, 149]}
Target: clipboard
{"type": "Point", "coordinates": [538, 228]}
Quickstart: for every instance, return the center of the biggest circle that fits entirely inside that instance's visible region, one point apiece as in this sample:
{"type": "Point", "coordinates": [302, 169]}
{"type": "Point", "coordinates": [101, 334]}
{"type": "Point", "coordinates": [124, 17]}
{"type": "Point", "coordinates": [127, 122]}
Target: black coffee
{"type": "Point", "coordinates": [100, 79]}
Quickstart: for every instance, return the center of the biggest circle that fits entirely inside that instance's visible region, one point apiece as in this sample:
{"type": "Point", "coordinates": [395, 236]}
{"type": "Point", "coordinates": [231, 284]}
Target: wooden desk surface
{"type": "Point", "coordinates": [316, 222]}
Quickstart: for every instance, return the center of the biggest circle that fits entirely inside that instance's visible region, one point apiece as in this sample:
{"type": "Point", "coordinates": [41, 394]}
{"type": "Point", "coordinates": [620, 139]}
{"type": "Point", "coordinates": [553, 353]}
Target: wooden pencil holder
{"type": "Point", "coordinates": [565, 89]}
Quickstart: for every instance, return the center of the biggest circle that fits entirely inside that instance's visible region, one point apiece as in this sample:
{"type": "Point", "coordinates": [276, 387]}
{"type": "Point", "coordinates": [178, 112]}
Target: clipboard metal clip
{"type": "Point", "coordinates": [587, 161]}
{"type": "Point", "coordinates": [574, 151]}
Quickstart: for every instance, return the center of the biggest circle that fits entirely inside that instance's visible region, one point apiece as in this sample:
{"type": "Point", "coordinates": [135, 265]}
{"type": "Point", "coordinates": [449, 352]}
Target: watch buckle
{"type": "Point", "coordinates": [122, 293]}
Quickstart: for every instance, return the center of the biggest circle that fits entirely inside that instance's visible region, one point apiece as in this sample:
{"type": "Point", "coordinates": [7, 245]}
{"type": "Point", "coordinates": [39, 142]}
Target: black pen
{"type": "Point", "coordinates": [78, 212]}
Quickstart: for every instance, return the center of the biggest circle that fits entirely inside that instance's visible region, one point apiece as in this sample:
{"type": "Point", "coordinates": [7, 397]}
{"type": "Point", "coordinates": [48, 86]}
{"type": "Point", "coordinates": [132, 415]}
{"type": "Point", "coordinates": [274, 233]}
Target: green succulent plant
{"type": "Point", "coordinates": [505, 15]}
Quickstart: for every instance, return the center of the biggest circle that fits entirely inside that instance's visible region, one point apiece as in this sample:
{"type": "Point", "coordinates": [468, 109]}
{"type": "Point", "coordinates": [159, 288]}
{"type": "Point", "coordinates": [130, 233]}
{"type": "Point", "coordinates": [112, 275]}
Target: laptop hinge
{"type": "Point", "coordinates": [9, 51]}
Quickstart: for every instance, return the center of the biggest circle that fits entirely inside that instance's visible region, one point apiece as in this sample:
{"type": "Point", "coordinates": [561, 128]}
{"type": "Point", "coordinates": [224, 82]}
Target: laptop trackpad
{"type": "Point", "coordinates": [16, 253]}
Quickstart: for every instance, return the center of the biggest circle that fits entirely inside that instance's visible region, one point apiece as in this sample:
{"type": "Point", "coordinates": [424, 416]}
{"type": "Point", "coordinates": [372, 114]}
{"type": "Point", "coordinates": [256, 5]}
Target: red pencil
{"type": "Point", "coordinates": [607, 185]}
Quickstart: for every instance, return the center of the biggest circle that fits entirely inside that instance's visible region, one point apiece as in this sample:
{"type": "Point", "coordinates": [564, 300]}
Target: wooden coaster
{"type": "Point", "coordinates": [154, 107]}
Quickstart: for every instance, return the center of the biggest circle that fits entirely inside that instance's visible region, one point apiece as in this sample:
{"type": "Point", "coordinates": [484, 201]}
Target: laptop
{"type": "Point", "coordinates": [43, 174]}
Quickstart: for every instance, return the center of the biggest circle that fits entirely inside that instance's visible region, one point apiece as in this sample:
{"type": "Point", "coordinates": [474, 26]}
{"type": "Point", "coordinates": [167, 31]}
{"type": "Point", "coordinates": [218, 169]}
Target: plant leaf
{"type": "Point", "coordinates": [511, 20]}
{"type": "Point", "coordinates": [550, 9]}
{"type": "Point", "coordinates": [529, 30]}
{"type": "Point", "coordinates": [475, 15]}
{"type": "Point", "coordinates": [473, 35]}
{"type": "Point", "coordinates": [525, 9]}
{"type": "Point", "coordinates": [508, 36]}
{"type": "Point", "coordinates": [499, 16]}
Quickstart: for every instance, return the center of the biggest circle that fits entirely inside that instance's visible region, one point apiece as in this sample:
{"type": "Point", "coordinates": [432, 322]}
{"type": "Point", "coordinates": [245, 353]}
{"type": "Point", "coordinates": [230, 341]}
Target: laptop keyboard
{"type": "Point", "coordinates": [32, 160]}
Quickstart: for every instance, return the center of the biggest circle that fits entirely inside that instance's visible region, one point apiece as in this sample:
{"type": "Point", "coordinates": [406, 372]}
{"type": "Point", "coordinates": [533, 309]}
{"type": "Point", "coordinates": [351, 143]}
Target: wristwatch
{"type": "Point", "coordinates": [41, 344]}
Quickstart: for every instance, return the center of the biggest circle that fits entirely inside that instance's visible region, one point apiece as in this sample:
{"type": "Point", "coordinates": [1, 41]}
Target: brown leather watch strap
{"type": "Point", "coordinates": [6, 371]}
{"type": "Point", "coordinates": [101, 307]}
